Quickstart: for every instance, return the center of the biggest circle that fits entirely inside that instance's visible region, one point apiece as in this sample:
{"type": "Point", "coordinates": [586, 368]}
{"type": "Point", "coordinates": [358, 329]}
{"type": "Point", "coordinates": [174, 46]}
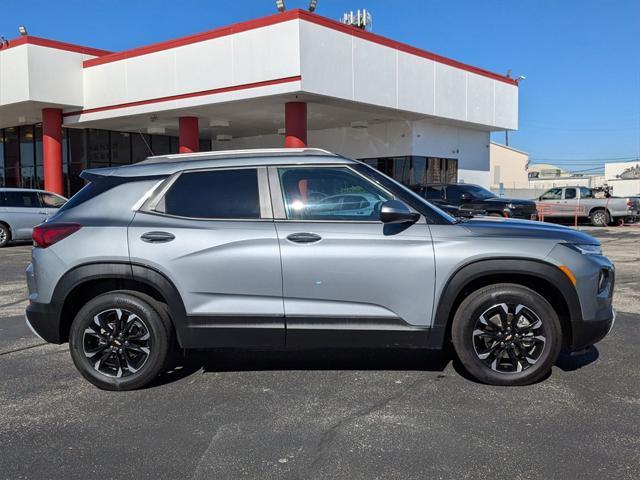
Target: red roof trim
{"type": "Point", "coordinates": [44, 42]}
{"type": "Point", "coordinates": [291, 15]}
{"type": "Point", "coordinates": [198, 37]}
{"type": "Point", "coordinates": [403, 47]}
{"type": "Point", "coordinates": [214, 91]}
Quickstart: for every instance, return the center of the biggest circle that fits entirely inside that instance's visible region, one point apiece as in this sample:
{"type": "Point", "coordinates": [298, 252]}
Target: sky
{"type": "Point", "coordinates": [580, 102]}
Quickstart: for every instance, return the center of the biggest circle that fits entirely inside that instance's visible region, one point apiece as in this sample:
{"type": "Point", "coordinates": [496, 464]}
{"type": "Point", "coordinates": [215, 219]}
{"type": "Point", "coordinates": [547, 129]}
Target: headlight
{"type": "Point", "coordinates": [585, 248]}
{"type": "Point", "coordinates": [510, 206]}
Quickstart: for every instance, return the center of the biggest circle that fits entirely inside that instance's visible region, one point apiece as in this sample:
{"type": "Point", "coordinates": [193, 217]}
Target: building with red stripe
{"type": "Point", "coordinates": [291, 79]}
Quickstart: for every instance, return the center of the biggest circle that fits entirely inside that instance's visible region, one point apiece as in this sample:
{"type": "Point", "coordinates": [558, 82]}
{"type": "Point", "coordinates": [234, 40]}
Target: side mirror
{"type": "Point", "coordinates": [395, 211]}
{"type": "Point", "coordinates": [465, 196]}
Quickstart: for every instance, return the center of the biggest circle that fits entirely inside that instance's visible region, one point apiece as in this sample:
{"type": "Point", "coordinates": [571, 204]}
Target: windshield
{"type": "Point", "coordinates": [430, 211]}
{"type": "Point", "coordinates": [478, 192]}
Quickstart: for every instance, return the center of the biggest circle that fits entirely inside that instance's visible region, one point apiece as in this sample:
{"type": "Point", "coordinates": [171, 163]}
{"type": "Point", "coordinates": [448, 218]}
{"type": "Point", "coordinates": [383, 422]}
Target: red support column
{"type": "Point", "coordinates": [295, 125]}
{"type": "Point", "coordinates": [189, 135]}
{"type": "Point", "coordinates": [52, 149]}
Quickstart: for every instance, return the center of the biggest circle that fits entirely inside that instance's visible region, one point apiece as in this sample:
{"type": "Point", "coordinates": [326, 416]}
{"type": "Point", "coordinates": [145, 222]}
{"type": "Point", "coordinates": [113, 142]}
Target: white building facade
{"type": "Point", "coordinates": [292, 79]}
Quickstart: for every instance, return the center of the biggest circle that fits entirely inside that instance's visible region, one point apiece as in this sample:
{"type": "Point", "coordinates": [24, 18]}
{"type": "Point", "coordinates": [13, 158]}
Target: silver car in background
{"type": "Point", "coordinates": [22, 209]}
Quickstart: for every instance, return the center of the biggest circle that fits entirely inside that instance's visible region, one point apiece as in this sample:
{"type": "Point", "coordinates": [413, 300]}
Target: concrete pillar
{"type": "Point", "coordinates": [52, 150]}
{"type": "Point", "coordinates": [295, 125]}
{"type": "Point", "coordinates": [189, 137]}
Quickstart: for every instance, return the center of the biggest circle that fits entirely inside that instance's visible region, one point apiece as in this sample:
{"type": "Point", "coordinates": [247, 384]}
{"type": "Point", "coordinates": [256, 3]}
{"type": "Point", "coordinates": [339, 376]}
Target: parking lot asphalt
{"type": "Point", "coordinates": [323, 413]}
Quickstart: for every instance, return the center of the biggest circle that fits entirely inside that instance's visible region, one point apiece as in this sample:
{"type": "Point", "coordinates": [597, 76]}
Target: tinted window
{"type": "Point", "coordinates": [214, 194]}
{"type": "Point", "coordinates": [454, 193]}
{"type": "Point", "coordinates": [553, 194]}
{"type": "Point", "coordinates": [330, 194]}
{"type": "Point", "coordinates": [433, 192]}
{"type": "Point", "coordinates": [569, 193]}
{"type": "Point", "coordinates": [22, 199]}
{"type": "Point", "coordinates": [49, 200]}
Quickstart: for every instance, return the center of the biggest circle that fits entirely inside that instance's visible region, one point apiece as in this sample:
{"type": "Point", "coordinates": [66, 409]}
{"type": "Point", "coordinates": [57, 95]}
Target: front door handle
{"type": "Point", "coordinates": [157, 237]}
{"type": "Point", "coordinates": [304, 237]}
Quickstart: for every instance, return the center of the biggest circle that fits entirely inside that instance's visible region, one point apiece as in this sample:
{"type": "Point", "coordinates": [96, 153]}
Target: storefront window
{"type": "Point", "coordinates": [120, 148]}
{"type": "Point", "coordinates": [1, 157]}
{"type": "Point", "coordinates": [98, 148]}
{"type": "Point", "coordinates": [77, 158]}
{"type": "Point", "coordinates": [140, 147]}
{"type": "Point", "coordinates": [161, 144]}
{"type": "Point", "coordinates": [39, 177]}
{"type": "Point", "coordinates": [416, 170]}
{"type": "Point", "coordinates": [11, 157]}
{"type": "Point", "coordinates": [205, 145]}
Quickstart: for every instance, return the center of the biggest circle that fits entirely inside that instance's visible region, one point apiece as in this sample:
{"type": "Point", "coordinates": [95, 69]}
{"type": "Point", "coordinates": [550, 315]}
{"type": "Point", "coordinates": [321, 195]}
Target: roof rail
{"type": "Point", "coordinates": [255, 151]}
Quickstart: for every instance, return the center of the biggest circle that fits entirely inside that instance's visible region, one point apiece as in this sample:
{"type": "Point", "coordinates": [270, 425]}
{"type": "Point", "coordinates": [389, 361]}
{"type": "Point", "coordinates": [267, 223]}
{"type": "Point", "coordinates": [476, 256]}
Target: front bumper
{"type": "Point", "coordinates": [43, 320]}
{"type": "Point", "coordinates": [588, 333]}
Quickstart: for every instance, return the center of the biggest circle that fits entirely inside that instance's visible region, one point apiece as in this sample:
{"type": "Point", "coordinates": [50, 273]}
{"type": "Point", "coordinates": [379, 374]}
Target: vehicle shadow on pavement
{"type": "Point", "coordinates": [237, 360]}
{"type": "Point", "coordinates": [568, 362]}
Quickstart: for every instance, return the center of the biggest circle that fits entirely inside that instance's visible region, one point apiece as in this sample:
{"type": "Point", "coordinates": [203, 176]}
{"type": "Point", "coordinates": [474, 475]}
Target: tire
{"type": "Point", "coordinates": [490, 361]}
{"type": "Point", "coordinates": [5, 235]}
{"type": "Point", "coordinates": [599, 218]}
{"type": "Point", "coordinates": [129, 361]}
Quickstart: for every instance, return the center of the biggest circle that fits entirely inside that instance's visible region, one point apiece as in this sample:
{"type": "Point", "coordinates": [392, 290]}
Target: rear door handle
{"type": "Point", "coordinates": [304, 237]}
{"type": "Point", "coordinates": [157, 237]}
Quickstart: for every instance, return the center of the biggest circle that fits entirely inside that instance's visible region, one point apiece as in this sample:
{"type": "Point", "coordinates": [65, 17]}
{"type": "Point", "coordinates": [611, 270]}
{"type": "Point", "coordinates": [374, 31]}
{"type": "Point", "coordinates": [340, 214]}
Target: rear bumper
{"type": "Point", "coordinates": [43, 320]}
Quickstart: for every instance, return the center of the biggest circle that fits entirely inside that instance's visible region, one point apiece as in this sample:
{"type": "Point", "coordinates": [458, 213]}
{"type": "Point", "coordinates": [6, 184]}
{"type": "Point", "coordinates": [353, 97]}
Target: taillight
{"type": "Point", "coordinates": [629, 203]}
{"type": "Point", "coordinates": [46, 234]}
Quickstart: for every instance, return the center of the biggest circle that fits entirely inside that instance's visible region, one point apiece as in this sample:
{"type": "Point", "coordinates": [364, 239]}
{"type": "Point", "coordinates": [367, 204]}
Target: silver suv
{"type": "Point", "coordinates": [302, 248]}
{"type": "Point", "coordinates": [22, 209]}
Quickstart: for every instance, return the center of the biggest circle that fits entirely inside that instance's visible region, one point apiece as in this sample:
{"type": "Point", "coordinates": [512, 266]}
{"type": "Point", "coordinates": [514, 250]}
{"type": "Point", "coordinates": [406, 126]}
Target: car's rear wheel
{"type": "Point", "coordinates": [506, 334]}
{"type": "Point", "coordinates": [120, 341]}
{"type": "Point", "coordinates": [599, 218]}
{"type": "Point", "coordinates": [5, 235]}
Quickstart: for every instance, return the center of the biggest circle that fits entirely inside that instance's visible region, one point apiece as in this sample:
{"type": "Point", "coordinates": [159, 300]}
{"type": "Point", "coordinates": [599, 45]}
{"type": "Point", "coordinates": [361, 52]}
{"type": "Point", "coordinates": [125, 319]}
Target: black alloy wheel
{"type": "Point", "coordinates": [121, 340]}
{"type": "Point", "coordinates": [506, 334]}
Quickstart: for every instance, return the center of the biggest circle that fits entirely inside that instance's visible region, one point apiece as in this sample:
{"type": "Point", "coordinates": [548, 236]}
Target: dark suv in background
{"type": "Point", "coordinates": [477, 200]}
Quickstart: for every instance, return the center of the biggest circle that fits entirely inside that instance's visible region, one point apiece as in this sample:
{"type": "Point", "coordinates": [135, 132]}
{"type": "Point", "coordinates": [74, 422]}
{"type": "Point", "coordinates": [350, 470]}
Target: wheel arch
{"type": "Point", "coordinates": [87, 281]}
{"type": "Point", "coordinates": [8, 225]}
{"type": "Point", "coordinates": [542, 277]}
{"type": "Point", "coordinates": [606, 209]}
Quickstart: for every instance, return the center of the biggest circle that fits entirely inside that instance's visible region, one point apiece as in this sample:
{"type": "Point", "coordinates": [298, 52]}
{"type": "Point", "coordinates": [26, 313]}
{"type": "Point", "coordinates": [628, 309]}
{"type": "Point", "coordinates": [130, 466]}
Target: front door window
{"type": "Point", "coordinates": [330, 193]}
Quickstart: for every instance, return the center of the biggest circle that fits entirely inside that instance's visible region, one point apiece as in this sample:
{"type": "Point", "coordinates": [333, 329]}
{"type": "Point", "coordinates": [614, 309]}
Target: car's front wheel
{"type": "Point", "coordinates": [120, 341]}
{"type": "Point", "coordinates": [506, 334]}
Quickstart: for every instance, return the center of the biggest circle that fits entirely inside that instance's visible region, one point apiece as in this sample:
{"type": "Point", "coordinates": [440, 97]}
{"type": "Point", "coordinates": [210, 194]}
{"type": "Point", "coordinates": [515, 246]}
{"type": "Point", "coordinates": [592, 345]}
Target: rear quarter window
{"type": "Point", "coordinates": [215, 194]}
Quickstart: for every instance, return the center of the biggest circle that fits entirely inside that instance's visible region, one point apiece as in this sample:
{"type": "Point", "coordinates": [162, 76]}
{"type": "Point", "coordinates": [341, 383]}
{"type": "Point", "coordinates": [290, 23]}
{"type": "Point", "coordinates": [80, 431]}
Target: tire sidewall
{"type": "Point", "coordinates": [478, 302]}
{"type": "Point", "coordinates": [150, 317]}
{"type": "Point", "coordinates": [598, 223]}
{"type": "Point", "coordinates": [7, 237]}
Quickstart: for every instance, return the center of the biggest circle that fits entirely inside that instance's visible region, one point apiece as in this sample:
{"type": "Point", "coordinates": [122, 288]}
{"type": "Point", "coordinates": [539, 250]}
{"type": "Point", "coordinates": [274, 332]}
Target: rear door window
{"type": "Point", "coordinates": [24, 199]}
{"type": "Point", "coordinates": [569, 193]}
{"type": "Point", "coordinates": [214, 194]}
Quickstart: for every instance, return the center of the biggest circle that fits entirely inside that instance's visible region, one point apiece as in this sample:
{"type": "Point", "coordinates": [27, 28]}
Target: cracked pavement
{"type": "Point", "coordinates": [323, 413]}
